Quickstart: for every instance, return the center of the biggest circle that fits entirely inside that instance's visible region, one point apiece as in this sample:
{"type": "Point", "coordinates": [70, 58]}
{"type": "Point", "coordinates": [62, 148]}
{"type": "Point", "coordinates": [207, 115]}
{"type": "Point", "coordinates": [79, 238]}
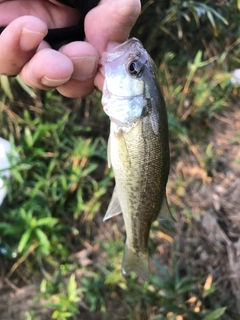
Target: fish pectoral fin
{"type": "Point", "coordinates": [114, 207]}
{"type": "Point", "coordinates": [165, 212]}
{"type": "Point", "coordinates": [135, 262]}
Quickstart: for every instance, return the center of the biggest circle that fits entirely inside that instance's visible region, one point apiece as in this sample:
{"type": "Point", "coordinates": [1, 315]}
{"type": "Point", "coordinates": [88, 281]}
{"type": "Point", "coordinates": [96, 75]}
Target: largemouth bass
{"type": "Point", "coordinates": [138, 147]}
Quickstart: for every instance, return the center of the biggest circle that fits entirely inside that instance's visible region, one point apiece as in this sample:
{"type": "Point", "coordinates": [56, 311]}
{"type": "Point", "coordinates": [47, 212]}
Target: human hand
{"type": "Point", "coordinates": [73, 69]}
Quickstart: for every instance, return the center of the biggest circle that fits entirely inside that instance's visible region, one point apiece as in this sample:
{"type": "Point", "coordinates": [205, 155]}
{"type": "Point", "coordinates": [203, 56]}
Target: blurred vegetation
{"type": "Point", "coordinates": [61, 185]}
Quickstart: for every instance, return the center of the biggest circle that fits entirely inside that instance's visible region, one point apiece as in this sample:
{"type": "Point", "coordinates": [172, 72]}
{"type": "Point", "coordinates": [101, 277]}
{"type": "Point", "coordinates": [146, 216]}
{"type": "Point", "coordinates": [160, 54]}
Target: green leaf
{"type": "Point", "coordinates": [114, 277]}
{"type": "Point", "coordinates": [61, 315]}
{"type": "Point", "coordinates": [6, 87]}
{"type": "Point", "coordinates": [183, 282]}
{"type": "Point", "coordinates": [5, 225]}
{"type": "Point", "coordinates": [216, 314]}
{"type": "Point", "coordinates": [43, 240]}
{"type": "Point", "coordinates": [43, 286]}
{"type": "Point", "coordinates": [186, 288]}
{"type": "Point", "coordinates": [49, 221]}
{"type": "Point", "coordinates": [28, 137]}
{"type": "Point", "coordinates": [17, 176]}
{"type": "Point", "coordinates": [72, 289]}
{"type": "Point", "coordinates": [198, 58]}
{"type": "Point", "coordinates": [26, 88]}
{"type": "Point", "coordinates": [24, 239]}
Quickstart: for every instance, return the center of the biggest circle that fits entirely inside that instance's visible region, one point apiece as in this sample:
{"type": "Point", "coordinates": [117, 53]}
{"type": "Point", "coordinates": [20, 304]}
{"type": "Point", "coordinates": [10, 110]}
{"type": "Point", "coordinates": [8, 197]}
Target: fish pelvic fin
{"type": "Point", "coordinates": [135, 262]}
{"type": "Point", "coordinates": [165, 212]}
{"type": "Point", "coordinates": [114, 207]}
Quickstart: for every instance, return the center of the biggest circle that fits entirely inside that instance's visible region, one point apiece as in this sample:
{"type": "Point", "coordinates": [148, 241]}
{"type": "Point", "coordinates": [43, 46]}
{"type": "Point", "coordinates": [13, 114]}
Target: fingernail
{"type": "Point", "coordinates": [53, 82]}
{"type": "Point", "coordinates": [30, 39]}
{"type": "Point", "coordinates": [84, 67]}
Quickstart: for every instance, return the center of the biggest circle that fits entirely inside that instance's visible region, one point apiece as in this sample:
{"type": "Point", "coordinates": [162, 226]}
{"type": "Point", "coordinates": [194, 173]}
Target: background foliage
{"type": "Point", "coordinates": [51, 226]}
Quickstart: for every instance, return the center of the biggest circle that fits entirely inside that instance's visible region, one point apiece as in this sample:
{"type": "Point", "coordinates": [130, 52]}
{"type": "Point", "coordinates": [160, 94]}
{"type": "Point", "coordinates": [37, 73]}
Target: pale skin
{"type": "Point", "coordinates": [74, 69]}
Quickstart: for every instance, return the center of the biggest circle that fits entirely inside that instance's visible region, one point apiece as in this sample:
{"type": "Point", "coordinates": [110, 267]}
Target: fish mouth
{"type": "Point", "coordinates": [131, 45]}
{"type": "Point", "coordinates": [131, 42]}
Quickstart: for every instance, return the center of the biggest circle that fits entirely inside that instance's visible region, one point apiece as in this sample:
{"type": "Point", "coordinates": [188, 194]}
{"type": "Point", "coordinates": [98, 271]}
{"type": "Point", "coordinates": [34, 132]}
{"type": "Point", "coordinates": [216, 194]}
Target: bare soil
{"type": "Point", "coordinates": [210, 244]}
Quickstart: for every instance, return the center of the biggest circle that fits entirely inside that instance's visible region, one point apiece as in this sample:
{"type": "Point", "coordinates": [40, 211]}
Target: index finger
{"type": "Point", "coordinates": [110, 22]}
{"type": "Point", "coordinates": [20, 41]}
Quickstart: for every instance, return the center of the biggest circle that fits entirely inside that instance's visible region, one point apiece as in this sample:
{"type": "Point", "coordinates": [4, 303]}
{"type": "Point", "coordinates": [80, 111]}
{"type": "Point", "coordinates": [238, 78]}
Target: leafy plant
{"type": "Point", "coordinates": [64, 305]}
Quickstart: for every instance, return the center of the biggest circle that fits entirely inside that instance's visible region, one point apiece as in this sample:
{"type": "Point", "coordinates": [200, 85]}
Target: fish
{"type": "Point", "coordinates": [138, 147]}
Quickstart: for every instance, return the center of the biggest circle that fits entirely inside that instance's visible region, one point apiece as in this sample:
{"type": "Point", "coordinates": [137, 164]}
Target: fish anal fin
{"type": "Point", "coordinates": [165, 212]}
{"type": "Point", "coordinates": [114, 207]}
{"type": "Point", "coordinates": [135, 262]}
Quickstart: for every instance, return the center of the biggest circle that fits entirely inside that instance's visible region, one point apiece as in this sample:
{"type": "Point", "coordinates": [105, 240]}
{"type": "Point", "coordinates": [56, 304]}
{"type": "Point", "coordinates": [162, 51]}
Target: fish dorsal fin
{"type": "Point", "coordinates": [165, 212]}
{"type": "Point", "coordinates": [114, 207]}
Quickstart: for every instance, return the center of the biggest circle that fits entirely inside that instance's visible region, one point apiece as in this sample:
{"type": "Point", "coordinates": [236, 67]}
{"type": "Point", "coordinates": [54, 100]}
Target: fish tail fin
{"type": "Point", "coordinates": [135, 262]}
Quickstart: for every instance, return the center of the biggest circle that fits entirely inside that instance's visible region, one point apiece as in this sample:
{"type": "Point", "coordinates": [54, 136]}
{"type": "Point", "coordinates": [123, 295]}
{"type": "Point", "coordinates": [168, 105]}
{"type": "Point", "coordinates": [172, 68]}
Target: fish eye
{"type": "Point", "coordinates": [135, 68]}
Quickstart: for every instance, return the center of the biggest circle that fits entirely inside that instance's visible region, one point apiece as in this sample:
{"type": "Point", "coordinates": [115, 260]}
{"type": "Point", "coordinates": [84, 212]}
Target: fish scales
{"type": "Point", "coordinates": [138, 153]}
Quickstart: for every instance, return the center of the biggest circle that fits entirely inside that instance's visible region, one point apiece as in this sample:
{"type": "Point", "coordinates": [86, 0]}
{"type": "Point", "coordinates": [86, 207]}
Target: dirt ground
{"type": "Point", "coordinates": [209, 194]}
{"type": "Point", "coordinates": [212, 196]}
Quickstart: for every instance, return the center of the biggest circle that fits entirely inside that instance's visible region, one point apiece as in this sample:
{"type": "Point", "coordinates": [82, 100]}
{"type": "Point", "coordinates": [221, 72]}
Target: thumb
{"type": "Point", "coordinates": [111, 22]}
